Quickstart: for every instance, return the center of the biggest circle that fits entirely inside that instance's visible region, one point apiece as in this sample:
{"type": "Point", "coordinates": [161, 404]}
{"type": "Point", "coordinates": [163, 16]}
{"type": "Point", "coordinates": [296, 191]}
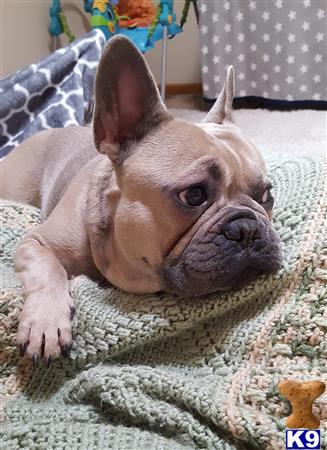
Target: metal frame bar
{"type": "Point", "coordinates": [164, 63]}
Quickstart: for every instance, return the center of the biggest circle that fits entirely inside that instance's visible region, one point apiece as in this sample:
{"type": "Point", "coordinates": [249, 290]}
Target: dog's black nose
{"type": "Point", "coordinates": [242, 230]}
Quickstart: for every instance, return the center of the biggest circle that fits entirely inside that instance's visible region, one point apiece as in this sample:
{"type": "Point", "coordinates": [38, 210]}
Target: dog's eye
{"type": "Point", "coordinates": [194, 196]}
{"type": "Point", "coordinates": [267, 197]}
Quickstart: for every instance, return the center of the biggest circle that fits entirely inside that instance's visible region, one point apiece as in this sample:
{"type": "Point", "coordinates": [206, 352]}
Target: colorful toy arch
{"type": "Point", "coordinates": [144, 22]}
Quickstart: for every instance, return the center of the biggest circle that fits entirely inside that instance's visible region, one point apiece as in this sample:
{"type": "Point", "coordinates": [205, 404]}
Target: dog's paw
{"type": "Point", "coordinates": [44, 330]}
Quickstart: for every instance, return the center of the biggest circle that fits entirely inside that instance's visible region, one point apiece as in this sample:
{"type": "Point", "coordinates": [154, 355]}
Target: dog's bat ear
{"type": "Point", "coordinates": [223, 108]}
{"type": "Point", "coordinates": [127, 100]}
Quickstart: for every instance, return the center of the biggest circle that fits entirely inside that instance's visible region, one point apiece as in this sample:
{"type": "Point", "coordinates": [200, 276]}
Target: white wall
{"type": "Point", "coordinates": [24, 38]}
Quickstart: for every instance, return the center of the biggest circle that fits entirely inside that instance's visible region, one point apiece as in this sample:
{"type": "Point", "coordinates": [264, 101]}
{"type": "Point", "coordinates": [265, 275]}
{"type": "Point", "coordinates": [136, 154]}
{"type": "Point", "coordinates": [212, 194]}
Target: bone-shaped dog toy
{"type": "Point", "coordinates": [301, 396]}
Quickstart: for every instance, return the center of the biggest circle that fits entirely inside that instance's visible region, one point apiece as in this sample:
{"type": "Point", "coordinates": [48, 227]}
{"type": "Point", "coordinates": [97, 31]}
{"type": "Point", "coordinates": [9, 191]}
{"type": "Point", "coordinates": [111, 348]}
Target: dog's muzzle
{"type": "Point", "coordinates": [228, 254]}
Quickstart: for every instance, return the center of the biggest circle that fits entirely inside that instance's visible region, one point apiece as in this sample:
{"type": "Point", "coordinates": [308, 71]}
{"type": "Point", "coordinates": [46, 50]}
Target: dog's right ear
{"type": "Point", "coordinates": [127, 100]}
{"type": "Point", "coordinates": [223, 108]}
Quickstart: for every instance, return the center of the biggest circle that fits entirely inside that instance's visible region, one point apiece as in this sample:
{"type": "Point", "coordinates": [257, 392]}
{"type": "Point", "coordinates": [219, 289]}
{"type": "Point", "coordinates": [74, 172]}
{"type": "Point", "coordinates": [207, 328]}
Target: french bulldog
{"type": "Point", "coordinates": [148, 202]}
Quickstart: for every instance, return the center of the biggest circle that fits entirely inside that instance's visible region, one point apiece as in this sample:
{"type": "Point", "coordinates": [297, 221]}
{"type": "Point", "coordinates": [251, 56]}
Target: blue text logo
{"type": "Point", "coordinates": [302, 439]}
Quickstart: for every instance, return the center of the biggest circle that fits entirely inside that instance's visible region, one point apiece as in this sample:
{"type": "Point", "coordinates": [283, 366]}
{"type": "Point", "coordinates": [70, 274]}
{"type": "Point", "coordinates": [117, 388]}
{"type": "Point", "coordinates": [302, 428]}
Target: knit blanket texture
{"type": "Point", "coordinates": [160, 372]}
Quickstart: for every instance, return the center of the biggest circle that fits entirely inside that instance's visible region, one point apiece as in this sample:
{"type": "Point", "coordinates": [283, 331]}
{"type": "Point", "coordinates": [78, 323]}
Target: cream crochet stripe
{"type": "Point", "coordinates": [257, 354]}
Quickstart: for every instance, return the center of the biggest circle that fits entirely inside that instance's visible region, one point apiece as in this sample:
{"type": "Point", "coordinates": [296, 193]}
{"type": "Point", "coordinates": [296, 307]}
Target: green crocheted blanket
{"type": "Point", "coordinates": [157, 372]}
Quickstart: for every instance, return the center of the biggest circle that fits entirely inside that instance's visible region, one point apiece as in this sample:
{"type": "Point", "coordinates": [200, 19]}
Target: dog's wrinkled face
{"type": "Point", "coordinates": [194, 207]}
{"type": "Point", "coordinates": [201, 208]}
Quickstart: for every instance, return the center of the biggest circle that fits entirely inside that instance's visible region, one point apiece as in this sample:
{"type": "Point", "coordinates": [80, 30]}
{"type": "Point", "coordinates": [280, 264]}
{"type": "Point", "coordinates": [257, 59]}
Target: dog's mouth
{"type": "Point", "coordinates": [212, 261]}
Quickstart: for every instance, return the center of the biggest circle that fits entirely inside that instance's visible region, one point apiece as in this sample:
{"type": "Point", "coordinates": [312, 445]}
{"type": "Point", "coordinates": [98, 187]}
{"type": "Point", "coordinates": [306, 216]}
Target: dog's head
{"type": "Point", "coordinates": [192, 207]}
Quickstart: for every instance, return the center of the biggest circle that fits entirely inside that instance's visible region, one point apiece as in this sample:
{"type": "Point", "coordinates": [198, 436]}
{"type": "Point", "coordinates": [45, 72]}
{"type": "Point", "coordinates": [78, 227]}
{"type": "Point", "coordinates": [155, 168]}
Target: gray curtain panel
{"type": "Point", "coordinates": [278, 47]}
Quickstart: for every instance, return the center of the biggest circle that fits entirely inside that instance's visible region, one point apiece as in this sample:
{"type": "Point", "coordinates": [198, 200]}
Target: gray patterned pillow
{"type": "Point", "coordinates": [56, 92]}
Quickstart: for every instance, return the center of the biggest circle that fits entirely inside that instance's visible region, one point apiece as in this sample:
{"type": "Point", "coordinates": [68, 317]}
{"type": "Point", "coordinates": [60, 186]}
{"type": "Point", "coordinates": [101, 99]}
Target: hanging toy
{"type": "Point", "coordinates": [55, 28]}
{"type": "Point", "coordinates": [88, 5]}
{"type": "Point", "coordinates": [142, 21]}
{"type": "Point", "coordinates": [65, 27]}
{"type": "Point", "coordinates": [167, 18]}
{"type": "Point", "coordinates": [105, 18]}
{"type": "Point", "coordinates": [138, 14]}
{"type": "Point", "coordinates": [155, 22]}
{"type": "Point", "coordinates": [185, 12]}
{"type": "Point", "coordinates": [58, 21]}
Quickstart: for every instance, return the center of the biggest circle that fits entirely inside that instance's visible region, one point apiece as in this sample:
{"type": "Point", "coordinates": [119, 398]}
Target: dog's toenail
{"type": "Point", "coordinates": [65, 349]}
{"type": "Point", "coordinates": [72, 312]}
{"type": "Point", "coordinates": [42, 345]}
{"type": "Point", "coordinates": [35, 360]}
{"type": "Point", "coordinates": [49, 360]}
{"type": "Point", "coordinates": [22, 348]}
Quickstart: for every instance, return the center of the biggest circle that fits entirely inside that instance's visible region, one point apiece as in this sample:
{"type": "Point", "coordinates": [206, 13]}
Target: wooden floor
{"type": "Point", "coordinates": [185, 101]}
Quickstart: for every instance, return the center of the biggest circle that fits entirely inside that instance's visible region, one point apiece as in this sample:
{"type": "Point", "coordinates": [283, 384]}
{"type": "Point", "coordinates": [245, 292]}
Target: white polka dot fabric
{"type": "Point", "coordinates": [278, 47]}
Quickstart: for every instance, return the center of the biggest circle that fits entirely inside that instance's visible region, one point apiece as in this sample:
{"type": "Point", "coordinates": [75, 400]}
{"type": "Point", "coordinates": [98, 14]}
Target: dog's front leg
{"type": "Point", "coordinates": [44, 330]}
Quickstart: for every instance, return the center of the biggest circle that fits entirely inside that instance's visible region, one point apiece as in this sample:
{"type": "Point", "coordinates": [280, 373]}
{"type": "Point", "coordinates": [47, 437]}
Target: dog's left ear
{"type": "Point", "coordinates": [127, 100]}
{"type": "Point", "coordinates": [223, 108]}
